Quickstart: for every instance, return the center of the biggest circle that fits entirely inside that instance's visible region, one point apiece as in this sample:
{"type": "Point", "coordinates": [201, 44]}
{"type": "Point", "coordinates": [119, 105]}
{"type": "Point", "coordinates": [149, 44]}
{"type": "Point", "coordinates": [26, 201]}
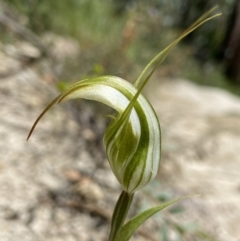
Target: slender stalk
{"type": "Point", "coordinates": [120, 213]}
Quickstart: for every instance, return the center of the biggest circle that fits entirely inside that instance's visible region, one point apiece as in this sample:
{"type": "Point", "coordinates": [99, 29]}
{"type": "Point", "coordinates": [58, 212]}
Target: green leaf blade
{"type": "Point", "coordinates": [133, 224]}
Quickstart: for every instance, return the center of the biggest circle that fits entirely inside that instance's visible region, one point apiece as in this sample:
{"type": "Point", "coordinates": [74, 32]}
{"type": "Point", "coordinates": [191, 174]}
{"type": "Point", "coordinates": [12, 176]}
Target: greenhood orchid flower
{"type": "Point", "coordinates": [133, 138]}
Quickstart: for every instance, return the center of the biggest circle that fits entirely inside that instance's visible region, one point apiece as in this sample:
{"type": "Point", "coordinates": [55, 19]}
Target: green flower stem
{"type": "Point", "coordinates": [120, 213]}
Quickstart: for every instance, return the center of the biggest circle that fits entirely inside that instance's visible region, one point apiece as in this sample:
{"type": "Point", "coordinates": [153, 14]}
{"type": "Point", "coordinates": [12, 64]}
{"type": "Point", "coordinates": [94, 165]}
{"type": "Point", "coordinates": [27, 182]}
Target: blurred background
{"type": "Point", "coordinates": [131, 32]}
{"type": "Point", "coordinates": [58, 186]}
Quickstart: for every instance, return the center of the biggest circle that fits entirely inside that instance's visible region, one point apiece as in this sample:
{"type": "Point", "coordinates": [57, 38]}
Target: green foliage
{"type": "Point", "coordinates": [130, 32]}
{"type": "Point", "coordinates": [131, 226]}
{"type": "Point", "coordinates": [83, 19]}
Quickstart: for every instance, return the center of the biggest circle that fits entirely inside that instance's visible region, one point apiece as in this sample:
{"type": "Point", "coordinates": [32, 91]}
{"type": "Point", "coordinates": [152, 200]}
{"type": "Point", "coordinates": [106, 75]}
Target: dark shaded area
{"type": "Point", "coordinates": [229, 51]}
{"type": "Point", "coordinates": [204, 39]}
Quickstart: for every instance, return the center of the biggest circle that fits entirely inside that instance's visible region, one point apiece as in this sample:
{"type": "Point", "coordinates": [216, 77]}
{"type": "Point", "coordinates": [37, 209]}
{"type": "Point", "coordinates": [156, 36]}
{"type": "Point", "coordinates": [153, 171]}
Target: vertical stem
{"type": "Point", "coordinates": [120, 212]}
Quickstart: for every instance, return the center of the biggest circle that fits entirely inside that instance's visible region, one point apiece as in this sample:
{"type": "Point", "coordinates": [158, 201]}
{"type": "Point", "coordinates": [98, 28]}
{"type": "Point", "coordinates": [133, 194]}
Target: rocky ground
{"type": "Point", "coordinates": [201, 143]}
{"type": "Point", "coordinates": [58, 185]}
